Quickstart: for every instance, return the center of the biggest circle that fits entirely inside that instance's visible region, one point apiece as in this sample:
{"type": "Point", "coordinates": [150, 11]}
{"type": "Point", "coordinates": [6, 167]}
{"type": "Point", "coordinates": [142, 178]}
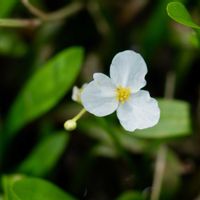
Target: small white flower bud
{"type": "Point", "coordinates": [76, 93]}
{"type": "Point", "coordinates": [70, 125]}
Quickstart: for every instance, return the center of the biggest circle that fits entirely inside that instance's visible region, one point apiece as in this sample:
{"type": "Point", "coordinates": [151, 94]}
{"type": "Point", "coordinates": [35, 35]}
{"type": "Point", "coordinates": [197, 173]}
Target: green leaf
{"type": "Point", "coordinates": [94, 129]}
{"type": "Point", "coordinates": [7, 185]}
{"type": "Point", "coordinates": [174, 121]}
{"type": "Point", "coordinates": [45, 88]}
{"type": "Point", "coordinates": [45, 155]}
{"type": "Point", "coordinates": [26, 188]}
{"type": "Point", "coordinates": [6, 7]}
{"type": "Point", "coordinates": [179, 13]}
{"type": "Point", "coordinates": [131, 195]}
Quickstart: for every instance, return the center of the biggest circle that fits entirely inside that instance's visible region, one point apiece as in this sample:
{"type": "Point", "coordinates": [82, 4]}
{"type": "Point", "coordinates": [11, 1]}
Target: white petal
{"type": "Point", "coordinates": [76, 93]}
{"type": "Point", "coordinates": [128, 69]}
{"type": "Point", "coordinates": [139, 112]}
{"type": "Point", "coordinates": [99, 96]}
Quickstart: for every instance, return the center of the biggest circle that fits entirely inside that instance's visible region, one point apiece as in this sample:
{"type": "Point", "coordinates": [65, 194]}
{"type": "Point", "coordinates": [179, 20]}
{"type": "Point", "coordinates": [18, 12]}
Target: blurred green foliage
{"type": "Point", "coordinates": [11, 44]}
{"type": "Point", "coordinates": [32, 165]}
{"type": "Point", "coordinates": [24, 188]}
{"type": "Point", "coordinates": [47, 86]}
{"type": "Point", "coordinates": [6, 7]}
{"type": "Point", "coordinates": [131, 195]}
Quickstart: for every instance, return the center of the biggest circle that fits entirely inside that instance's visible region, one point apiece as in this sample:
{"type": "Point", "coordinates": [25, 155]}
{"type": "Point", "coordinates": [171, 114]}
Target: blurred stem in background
{"type": "Point", "coordinates": [57, 15]}
{"type": "Point", "coordinates": [100, 21]}
{"type": "Point", "coordinates": [20, 23]}
{"type": "Point", "coordinates": [162, 151]}
{"type": "Point", "coordinates": [41, 16]}
{"type": "Point", "coordinates": [159, 172]}
{"type": "Point", "coordinates": [120, 150]}
{"type": "Point", "coordinates": [198, 36]}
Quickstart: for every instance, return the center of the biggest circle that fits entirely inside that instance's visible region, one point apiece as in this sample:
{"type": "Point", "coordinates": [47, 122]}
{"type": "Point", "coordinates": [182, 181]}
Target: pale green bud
{"type": "Point", "coordinates": [70, 125]}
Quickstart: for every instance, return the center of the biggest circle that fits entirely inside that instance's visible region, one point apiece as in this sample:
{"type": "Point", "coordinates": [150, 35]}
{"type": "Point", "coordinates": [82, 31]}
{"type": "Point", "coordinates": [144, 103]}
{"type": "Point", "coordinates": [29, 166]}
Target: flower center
{"type": "Point", "coordinates": [123, 94]}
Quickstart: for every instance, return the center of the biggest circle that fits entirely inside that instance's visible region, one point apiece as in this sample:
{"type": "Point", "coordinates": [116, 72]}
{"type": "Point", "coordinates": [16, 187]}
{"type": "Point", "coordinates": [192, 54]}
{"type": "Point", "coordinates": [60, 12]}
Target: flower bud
{"type": "Point", "coordinates": [70, 125]}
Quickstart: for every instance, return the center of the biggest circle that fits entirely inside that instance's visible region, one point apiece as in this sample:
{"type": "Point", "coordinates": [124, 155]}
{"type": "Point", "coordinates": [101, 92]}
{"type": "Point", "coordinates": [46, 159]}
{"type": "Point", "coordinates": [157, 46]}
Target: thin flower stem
{"type": "Point", "coordinates": [159, 172]}
{"type": "Point", "coordinates": [162, 152]}
{"type": "Point", "coordinates": [42, 16]}
{"type": "Point", "coordinates": [65, 12]}
{"type": "Point", "coordinates": [79, 115]}
{"type": "Point", "coordinates": [19, 22]}
{"type": "Point", "coordinates": [101, 24]}
{"type": "Point", "coordinates": [35, 11]}
{"type": "Point", "coordinates": [122, 152]}
{"type": "Point", "coordinates": [170, 85]}
{"type": "Point", "coordinates": [60, 14]}
{"type": "Point", "coordinates": [71, 124]}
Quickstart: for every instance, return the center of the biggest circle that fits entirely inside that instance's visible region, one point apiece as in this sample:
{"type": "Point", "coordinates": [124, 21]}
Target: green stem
{"type": "Point", "coordinates": [79, 115]}
{"type": "Point", "coordinates": [170, 85]}
{"type": "Point", "coordinates": [95, 11]}
{"type": "Point", "coordinates": [162, 152]}
{"type": "Point", "coordinates": [35, 11]}
{"type": "Point", "coordinates": [42, 16]}
{"type": "Point", "coordinates": [65, 12]}
{"type": "Point", "coordinates": [122, 152]}
{"type": "Point", "coordinates": [60, 14]}
{"type": "Point", "coordinates": [19, 22]}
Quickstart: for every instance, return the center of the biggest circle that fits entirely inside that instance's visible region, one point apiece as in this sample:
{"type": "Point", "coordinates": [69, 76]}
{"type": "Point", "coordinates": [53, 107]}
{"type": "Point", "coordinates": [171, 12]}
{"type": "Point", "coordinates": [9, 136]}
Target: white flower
{"type": "Point", "coordinates": [122, 92]}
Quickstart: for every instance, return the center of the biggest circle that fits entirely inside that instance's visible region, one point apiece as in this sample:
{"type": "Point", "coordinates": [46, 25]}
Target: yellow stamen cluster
{"type": "Point", "coordinates": [123, 94]}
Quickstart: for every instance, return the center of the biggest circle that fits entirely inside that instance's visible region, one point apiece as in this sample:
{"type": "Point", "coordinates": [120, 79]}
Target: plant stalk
{"type": "Point", "coordinates": [19, 23]}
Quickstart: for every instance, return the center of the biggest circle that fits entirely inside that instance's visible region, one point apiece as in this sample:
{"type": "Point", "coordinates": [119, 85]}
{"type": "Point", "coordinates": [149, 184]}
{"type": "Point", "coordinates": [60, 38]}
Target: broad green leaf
{"type": "Point", "coordinates": [6, 7]}
{"type": "Point", "coordinates": [45, 155]}
{"type": "Point", "coordinates": [179, 13]}
{"type": "Point", "coordinates": [94, 129]}
{"type": "Point", "coordinates": [27, 188]}
{"type": "Point", "coordinates": [131, 195]}
{"type": "Point", "coordinates": [7, 182]}
{"type": "Point", "coordinates": [174, 121]}
{"type": "Point", "coordinates": [11, 44]}
{"type": "Point", "coordinates": [45, 88]}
